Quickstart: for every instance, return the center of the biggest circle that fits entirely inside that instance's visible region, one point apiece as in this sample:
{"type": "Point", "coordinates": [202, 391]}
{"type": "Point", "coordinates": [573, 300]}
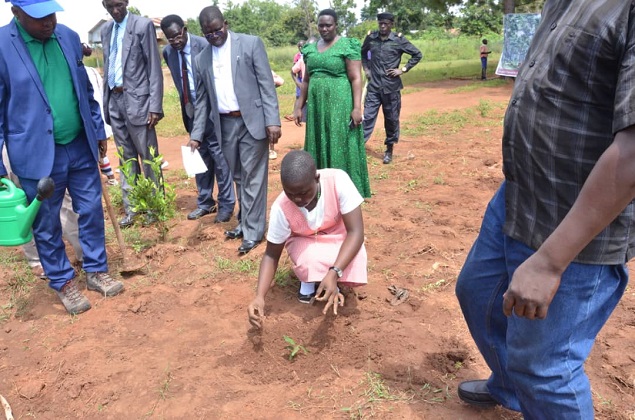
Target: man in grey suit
{"type": "Point", "coordinates": [133, 92]}
{"type": "Point", "coordinates": [235, 89]}
{"type": "Point", "coordinates": [179, 56]}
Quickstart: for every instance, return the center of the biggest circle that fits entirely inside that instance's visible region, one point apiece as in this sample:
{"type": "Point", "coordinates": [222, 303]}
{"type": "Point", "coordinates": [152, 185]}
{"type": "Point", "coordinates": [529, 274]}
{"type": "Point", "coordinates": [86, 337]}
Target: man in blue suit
{"type": "Point", "coordinates": [179, 56]}
{"type": "Point", "coordinates": [52, 126]}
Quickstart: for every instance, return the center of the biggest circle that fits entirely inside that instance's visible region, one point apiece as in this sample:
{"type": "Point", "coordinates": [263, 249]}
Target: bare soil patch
{"type": "Point", "coordinates": [177, 343]}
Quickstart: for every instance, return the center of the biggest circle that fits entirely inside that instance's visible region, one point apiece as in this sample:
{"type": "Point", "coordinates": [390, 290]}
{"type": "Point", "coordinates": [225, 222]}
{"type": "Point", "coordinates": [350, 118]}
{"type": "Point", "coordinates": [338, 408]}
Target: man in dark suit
{"type": "Point", "coordinates": [133, 92]}
{"type": "Point", "coordinates": [234, 88]}
{"type": "Point", "coordinates": [179, 56]}
{"type": "Point", "coordinates": [52, 127]}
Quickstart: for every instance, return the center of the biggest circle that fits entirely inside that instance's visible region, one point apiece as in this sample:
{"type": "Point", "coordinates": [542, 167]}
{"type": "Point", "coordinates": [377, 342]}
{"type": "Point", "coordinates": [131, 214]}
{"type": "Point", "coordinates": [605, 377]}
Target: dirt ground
{"type": "Point", "coordinates": [177, 344]}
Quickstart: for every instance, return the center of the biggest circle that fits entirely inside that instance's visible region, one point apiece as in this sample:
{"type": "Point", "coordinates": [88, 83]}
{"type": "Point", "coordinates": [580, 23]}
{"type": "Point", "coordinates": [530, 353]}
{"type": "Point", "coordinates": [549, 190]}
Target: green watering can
{"type": "Point", "coordinates": [16, 218]}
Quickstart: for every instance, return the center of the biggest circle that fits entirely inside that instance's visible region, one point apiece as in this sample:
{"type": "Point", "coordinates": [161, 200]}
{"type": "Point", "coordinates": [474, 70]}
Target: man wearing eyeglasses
{"type": "Point", "coordinates": [234, 88]}
{"type": "Point", "coordinates": [179, 55]}
{"type": "Point", "coordinates": [133, 90]}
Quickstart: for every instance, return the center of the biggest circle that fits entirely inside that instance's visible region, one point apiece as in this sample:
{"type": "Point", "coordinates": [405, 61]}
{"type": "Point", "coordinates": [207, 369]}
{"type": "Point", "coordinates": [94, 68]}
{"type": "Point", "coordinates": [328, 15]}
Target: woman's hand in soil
{"type": "Point", "coordinates": [328, 292]}
{"type": "Point", "coordinates": [256, 312]}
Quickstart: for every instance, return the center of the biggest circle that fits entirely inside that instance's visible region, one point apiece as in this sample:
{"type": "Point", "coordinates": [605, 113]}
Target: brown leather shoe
{"type": "Point", "coordinates": [103, 283]}
{"type": "Point", "coordinates": [72, 299]}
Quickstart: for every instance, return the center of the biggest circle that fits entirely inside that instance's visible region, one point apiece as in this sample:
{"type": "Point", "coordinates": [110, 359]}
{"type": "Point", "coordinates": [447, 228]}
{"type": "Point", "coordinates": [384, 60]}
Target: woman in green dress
{"type": "Point", "coordinates": [332, 90]}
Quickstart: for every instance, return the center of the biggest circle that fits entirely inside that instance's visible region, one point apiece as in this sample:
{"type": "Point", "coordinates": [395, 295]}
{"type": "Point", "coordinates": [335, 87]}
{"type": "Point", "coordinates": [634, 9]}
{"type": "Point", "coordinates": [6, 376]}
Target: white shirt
{"type": "Point", "coordinates": [98, 93]}
{"type": "Point", "coordinates": [223, 80]}
{"type": "Point", "coordinates": [349, 198]}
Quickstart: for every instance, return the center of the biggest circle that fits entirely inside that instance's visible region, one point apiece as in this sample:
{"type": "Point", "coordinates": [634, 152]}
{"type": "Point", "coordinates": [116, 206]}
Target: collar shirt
{"type": "Point", "coordinates": [223, 80]}
{"type": "Point", "coordinates": [118, 60]}
{"type": "Point", "coordinates": [55, 75]}
{"type": "Point", "coordinates": [187, 51]}
{"type": "Point", "coordinates": [381, 55]}
{"type": "Point", "coordinates": [574, 91]}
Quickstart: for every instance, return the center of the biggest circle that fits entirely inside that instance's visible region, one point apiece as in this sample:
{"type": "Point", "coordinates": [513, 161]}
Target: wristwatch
{"type": "Point", "coordinates": [404, 69]}
{"type": "Point", "coordinates": [337, 271]}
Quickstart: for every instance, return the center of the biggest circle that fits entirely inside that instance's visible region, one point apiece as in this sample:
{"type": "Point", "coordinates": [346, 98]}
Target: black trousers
{"type": "Point", "coordinates": [391, 106]}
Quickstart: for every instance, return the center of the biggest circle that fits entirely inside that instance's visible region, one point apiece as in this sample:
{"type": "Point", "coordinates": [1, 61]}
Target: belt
{"type": "Point", "coordinates": [117, 89]}
{"type": "Point", "coordinates": [231, 114]}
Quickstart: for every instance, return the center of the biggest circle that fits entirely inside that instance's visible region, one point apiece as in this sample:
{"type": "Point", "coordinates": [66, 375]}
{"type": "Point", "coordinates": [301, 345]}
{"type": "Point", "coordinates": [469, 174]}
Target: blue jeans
{"type": "Point", "coordinates": [537, 366]}
{"type": "Point", "coordinates": [74, 169]}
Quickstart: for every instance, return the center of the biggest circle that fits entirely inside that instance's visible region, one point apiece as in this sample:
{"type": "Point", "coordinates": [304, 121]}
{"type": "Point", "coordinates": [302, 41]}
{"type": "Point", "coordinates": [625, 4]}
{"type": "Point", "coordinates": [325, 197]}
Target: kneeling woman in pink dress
{"type": "Point", "coordinates": [318, 219]}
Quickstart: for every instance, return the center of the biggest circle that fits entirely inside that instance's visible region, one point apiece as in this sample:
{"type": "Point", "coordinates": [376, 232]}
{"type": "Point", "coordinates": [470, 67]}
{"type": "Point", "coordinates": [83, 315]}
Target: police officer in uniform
{"type": "Point", "coordinates": [381, 56]}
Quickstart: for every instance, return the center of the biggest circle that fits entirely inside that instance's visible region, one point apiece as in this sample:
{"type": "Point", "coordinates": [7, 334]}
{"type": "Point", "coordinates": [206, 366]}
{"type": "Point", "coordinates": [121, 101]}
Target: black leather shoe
{"type": "Point", "coordinates": [247, 246]}
{"type": "Point", "coordinates": [127, 221]}
{"type": "Point", "coordinates": [149, 219]}
{"type": "Point", "coordinates": [223, 217]}
{"type": "Point", "coordinates": [387, 158]}
{"type": "Point", "coordinates": [197, 214]}
{"type": "Point", "coordinates": [476, 393]}
{"type": "Point", "coordinates": [236, 233]}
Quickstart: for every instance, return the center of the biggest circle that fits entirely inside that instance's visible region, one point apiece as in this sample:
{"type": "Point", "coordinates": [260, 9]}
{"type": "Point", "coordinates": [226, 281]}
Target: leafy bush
{"type": "Point", "coordinates": [155, 200]}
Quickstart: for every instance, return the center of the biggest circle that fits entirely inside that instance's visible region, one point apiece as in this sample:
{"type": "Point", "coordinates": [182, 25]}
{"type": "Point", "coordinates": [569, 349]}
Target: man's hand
{"type": "Point", "coordinates": [256, 312]}
{"type": "Point", "coordinates": [394, 72]}
{"type": "Point", "coordinates": [297, 117]}
{"type": "Point", "coordinates": [331, 295]}
{"type": "Point", "coordinates": [194, 145]}
{"type": "Point", "coordinates": [273, 133]}
{"type": "Point", "coordinates": [533, 286]}
{"type": "Point", "coordinates": [153, 120]}
{"type": "Point", "coordinates": [102, 145]}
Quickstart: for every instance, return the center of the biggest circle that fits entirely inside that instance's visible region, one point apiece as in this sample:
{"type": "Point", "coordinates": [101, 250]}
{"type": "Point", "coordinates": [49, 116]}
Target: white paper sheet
{"type": "Point", "coordinates": [192, 162]}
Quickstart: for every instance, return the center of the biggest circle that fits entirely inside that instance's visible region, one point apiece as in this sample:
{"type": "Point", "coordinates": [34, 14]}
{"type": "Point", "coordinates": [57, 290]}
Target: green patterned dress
{"type": "Point", "coordinates": [329, 104]}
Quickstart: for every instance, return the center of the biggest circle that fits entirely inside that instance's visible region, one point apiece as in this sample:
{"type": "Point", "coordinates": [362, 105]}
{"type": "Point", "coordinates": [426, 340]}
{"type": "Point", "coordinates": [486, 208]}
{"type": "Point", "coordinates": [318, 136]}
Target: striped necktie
{"type": "Point", "coordinates": [113, 59]}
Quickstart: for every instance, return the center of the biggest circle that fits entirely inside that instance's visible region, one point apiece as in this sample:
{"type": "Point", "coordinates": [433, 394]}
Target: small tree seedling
{"type": "Point", "coordinates": [293, 347]}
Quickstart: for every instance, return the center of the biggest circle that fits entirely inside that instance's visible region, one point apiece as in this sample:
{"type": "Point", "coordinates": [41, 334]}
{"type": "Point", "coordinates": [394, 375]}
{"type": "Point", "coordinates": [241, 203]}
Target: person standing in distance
{"type": "Point", "coordinates": [52, 127]}
{"type": "Point", "coordinates": [384, 78]}
{"type": "Point", "coordinates": [179, 56]}
{"type": "Point", "coordinates": [133, 92]}
{"type": "Point", "coordinates": [234, 87]}
{"type": "Point", "coordinates": [484, 52]}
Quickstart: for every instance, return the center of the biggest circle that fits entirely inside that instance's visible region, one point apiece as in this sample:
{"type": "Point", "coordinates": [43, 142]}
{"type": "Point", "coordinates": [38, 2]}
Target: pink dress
{"type": "Point", "coordinates": [312, 252]}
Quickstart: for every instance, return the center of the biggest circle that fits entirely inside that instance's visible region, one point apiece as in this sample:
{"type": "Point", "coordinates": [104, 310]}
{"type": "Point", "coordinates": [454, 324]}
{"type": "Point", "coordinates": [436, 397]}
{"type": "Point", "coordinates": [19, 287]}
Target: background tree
{"type": "Point", "coordinates": [478, 19]}
{"type": "Point", "coordinates": [307, 9]}
{"type": "Point", "coordinates": [260, 17]}
{"type": "Point", "coordinates": [409, 14]}
{"type": "Point", "coordinates": [193, 26]}
{"type": "Point", "coordinates": [294, 22]}
{"type": "Point", "coordinates": [134, 10]}
{"type": "Point", "coordinates": [345, 10]}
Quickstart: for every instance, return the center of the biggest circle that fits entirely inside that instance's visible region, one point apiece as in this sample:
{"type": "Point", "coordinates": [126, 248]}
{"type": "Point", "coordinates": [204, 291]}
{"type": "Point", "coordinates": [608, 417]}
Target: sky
{"type": "Point", "coordinates": [82, 15]}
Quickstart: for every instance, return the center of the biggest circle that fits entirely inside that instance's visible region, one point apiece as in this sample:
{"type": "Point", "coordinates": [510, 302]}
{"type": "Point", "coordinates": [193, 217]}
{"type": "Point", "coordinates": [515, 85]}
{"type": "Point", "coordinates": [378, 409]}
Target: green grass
{"type": "Point", "coordinates": [485, 114]}
{"type": "Point", "coordinates": [15, 289]}
{"type": "Point", "coordinates": [489, 83]}
{"type": "Point", "coordinates": [171, 125]}
{"type": "Point", "coordinates": [242, 266]}
{"type": "Point", "coordinates": [283, 276]}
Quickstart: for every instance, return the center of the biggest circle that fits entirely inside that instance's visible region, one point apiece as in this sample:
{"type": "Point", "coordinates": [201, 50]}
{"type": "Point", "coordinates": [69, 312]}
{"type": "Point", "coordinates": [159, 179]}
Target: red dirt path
{"type": "Point", "coordinates": [177, 343]}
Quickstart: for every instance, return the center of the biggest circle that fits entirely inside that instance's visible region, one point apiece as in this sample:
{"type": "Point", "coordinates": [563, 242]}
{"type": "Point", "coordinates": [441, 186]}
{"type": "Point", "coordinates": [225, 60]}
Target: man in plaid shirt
{"type": "Point", "coordinates": [548, 266]}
